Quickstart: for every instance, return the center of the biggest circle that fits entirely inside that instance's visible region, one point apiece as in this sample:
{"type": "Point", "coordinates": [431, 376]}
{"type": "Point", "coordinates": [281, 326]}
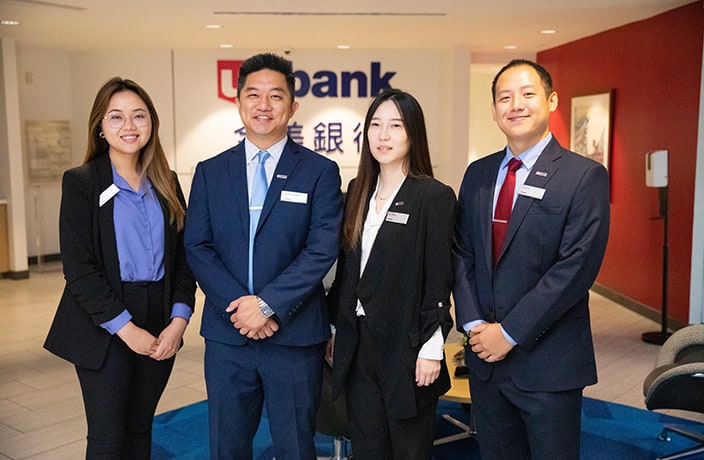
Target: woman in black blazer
{"type": "Point", "coordinates": [129, 293]}
{"type": "Point", "coordinates": [390, 300]}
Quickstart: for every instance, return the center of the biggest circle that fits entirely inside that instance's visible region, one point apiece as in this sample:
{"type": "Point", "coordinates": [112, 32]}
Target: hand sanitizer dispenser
{"type": "Point", "coordinates": [656, 168]}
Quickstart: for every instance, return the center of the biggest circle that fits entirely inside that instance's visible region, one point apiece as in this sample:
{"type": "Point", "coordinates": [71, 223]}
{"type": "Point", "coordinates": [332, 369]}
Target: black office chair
{"type": "Point", "coordinates": [332, 418]}
{"type": "Point", "coordinates": [677, 382]}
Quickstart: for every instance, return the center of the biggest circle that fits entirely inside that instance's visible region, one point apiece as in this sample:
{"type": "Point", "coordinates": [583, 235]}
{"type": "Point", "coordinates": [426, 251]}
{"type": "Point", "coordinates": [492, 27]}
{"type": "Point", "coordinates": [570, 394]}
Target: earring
{"type": "Point", "coordinates": [102, 135]}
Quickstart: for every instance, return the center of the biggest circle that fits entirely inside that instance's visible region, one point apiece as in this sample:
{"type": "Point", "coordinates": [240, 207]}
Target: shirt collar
{"type": "Point", "coordinates": [275, 150]}
{"type": "Point", "coordinates": [530, 156]}
{"type": "Point", "coordinates": [122, 184]}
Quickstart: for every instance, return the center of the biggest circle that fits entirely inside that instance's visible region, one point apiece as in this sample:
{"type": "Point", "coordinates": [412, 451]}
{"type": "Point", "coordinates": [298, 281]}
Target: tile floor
{"type": "Point", "coordinates": [41, 413]}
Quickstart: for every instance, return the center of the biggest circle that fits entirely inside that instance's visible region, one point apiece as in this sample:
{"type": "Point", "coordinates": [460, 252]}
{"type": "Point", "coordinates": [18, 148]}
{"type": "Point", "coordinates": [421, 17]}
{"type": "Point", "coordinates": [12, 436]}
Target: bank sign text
{"type": "Point", "coordinates": [322, 84]}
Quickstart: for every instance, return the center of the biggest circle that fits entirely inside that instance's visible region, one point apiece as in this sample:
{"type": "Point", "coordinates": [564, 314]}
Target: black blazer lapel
{"type": "Point", "coordinates": [402, 203]}
{"type": "Point", "coordinates": [106, 224]}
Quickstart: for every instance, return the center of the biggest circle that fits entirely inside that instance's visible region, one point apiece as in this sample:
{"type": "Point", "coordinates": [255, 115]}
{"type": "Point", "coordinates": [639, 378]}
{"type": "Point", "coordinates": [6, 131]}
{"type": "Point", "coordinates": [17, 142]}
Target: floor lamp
{"type": "Point", "coordinates": [656, 176]}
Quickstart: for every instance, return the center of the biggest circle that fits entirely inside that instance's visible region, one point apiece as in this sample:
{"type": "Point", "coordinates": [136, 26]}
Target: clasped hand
{"type": "Point", "coordinates": [142, 342]}
{"type": "Point", "coordinates": [488, 342]}
{"type": "Point", "coordinates": [248, 318]}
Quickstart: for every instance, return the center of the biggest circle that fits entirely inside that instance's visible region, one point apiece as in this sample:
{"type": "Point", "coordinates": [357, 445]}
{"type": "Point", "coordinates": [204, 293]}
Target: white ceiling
{"type": "Point", "coordinates": [484, 26]}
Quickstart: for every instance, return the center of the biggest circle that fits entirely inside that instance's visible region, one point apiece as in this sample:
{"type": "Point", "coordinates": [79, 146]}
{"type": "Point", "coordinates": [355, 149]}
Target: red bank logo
{"type": "Point", "coordinates": [227, 79]}
{"type": "Point", "coordinates": [322, 84]}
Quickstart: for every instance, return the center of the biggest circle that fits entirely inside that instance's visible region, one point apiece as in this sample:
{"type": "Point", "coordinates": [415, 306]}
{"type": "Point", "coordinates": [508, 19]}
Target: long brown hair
{"type": "Point", "coordinates": [416, 164]}
{"type": "Point", "coordinates": [152, 159]}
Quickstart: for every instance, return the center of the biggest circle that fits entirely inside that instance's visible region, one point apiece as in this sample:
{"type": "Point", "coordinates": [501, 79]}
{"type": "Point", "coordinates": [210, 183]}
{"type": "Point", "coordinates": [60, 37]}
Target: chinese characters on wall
{"type": "Point", "coordinates": [327, 137]}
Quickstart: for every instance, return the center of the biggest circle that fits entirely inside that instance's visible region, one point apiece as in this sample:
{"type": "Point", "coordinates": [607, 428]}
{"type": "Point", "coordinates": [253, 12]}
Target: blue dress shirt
{"type": "Point", "coordinates": [139, 234]}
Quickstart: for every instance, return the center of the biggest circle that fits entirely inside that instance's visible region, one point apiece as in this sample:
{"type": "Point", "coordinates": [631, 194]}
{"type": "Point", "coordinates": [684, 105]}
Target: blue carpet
{"type": "Point", "coordinates": [609, 431]}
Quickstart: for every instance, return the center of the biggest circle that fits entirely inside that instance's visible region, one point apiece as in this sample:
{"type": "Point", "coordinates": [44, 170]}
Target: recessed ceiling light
{"type": "Point", "coordinates": [510, 47]}
{"type": "Point", "coordinates": [213, 26]}
{"type": "Point", "coordinates": [343, 47]}
{"type": "Point", "coordinates": [10, 22]}
{"type": "Point", "coordinates": [548, 31]}
{"type": "Point", "coordinates": [226, 45]}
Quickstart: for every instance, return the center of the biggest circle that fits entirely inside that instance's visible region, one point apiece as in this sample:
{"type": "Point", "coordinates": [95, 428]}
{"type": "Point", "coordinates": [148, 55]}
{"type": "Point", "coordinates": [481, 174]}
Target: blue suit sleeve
{"type": "Point", "coordinates": [464, 291]}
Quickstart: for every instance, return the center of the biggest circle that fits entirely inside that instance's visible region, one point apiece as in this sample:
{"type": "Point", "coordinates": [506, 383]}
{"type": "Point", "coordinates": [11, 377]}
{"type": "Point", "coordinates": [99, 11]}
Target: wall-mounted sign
{"type": "Point", "coordinates": [327, 135]}
{"type": "Point", "coordinates": [48, 149]}
{"type": "Point", "coordinates": [322, 84]}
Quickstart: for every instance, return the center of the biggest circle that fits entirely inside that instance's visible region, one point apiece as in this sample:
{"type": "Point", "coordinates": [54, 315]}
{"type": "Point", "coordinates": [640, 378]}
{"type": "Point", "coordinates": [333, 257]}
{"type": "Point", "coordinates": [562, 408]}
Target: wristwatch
{"type": "Point", "coordinates": [264, 308]}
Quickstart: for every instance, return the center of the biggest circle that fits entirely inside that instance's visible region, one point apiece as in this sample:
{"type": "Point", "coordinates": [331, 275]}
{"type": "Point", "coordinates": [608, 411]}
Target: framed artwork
{"type": "Point", "coordinates": [590, 126]}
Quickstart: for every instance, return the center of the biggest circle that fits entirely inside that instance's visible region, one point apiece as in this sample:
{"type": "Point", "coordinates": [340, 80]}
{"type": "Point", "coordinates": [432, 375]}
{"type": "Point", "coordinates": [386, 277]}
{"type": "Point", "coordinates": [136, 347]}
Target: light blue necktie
{"type": "Point", "coordinates": [259, 188]}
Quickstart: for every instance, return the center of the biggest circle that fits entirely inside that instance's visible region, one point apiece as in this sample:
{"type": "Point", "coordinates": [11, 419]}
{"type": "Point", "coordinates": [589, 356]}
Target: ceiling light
{"type": "Point", "coordinates": [9, 22]}
{"type": "Point", "coordinates": [548, 31]}
{"type": "Point", "coordinates": [213, 26]}
{"type": "Point", "coordinates": [510, 47]}
{"type": "Point", "coordinates": [343, 47]}
{"type": "Point", "coordinates": [226, 45]}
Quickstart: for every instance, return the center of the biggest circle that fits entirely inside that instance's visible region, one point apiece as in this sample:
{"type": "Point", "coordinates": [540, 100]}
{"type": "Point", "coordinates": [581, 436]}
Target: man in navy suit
{"type": "Point", "coordinates": [525, 306]}
{"type": "Point", "coordinates": [264, 321]}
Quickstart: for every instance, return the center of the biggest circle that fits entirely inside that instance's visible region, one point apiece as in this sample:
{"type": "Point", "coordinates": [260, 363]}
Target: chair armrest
{"type": "Point", "coordinates": [675, 387]}
{"type": "Point", "coordinates": [683, 338]}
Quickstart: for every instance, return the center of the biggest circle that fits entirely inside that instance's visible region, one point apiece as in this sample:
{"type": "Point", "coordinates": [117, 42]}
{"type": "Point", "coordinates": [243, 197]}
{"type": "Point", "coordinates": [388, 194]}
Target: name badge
{"type": "Point", "coordinates": [294, 197]}
{"type": "Point", "coordinates": [397, 217]}
{"type": "Point", "coordinates": [108, 193]}
{"type": "Point", "coordinates": [532, 192]}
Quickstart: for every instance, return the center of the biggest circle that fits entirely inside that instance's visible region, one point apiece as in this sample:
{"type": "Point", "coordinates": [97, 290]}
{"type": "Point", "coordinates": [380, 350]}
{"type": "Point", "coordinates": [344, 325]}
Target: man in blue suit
{"type": "Point", "coordinates": [522, 277]}
{"type": "Point", "coordinates": [264, 321]}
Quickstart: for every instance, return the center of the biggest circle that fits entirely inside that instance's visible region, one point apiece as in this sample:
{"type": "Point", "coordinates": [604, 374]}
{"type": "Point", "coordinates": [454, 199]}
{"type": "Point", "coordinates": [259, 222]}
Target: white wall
{"type": "Point", "coordinates": [43, 76]}
{"type": "Point", "coordinates": [484, 136]}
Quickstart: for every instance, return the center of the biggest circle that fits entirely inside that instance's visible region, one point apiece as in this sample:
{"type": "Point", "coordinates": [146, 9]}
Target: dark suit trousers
{"type": "Point", "coordinates": [241, 379]}
{"type": "Point", "coordinates": [121, 397]}
{"type": "Point", "coordinates": [516, 424]}
{"type": "Point", "coordinates": [374, 434]}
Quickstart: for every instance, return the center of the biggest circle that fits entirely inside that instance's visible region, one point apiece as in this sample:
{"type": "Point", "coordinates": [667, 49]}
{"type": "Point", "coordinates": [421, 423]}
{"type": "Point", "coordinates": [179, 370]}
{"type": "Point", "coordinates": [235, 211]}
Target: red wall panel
{"type": "Point", "coordinates": [653, 68]}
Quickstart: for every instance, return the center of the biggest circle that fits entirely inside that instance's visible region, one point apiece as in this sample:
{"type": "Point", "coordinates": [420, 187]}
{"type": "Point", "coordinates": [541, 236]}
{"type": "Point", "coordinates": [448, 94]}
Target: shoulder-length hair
{"type": "Point", "coordinates": [416, 163]}
{"type": "Point", "coordinates": [152, 159]}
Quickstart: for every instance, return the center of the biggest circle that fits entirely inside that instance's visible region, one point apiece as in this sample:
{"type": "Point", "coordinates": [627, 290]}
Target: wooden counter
{"type": "Point", "coordinates": [459, 392]}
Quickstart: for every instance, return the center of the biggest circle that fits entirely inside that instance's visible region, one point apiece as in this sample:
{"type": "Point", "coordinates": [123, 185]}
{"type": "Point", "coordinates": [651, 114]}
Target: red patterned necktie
{"type": "Point", "coordinates": [504, 204]}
